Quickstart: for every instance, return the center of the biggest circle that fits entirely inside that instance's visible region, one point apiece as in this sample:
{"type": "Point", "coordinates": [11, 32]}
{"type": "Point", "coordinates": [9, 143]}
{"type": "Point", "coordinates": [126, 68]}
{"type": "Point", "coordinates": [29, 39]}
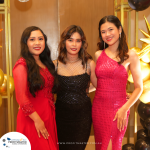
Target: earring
{"type": "Point", "coordinates": [104, 45]}
{"type": "Point", "coordinates": [120, 35]}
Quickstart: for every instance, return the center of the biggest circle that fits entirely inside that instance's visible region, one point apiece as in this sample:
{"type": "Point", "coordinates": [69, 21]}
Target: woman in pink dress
{"type": "Point", "coordinates": [34, 79]}
{"type": "Point", "coordinates": [110, 109]}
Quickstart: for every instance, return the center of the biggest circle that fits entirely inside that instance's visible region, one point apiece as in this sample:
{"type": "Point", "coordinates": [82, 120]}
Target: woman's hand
{"type": "Point", "coordinates": [128, 95]}
{"type": "Point", "coordinates": [121, 117]}
{"type": "Point", "coordinates": [40, 128]}
{"type": "Point", "coordinates": [39, 125]}
{"type": "Point", "coordinates": [91, 88]}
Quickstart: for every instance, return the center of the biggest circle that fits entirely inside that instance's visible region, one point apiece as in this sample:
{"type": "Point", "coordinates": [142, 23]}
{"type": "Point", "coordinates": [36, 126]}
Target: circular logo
{"type": "Point", "coordinates": [14, 141]}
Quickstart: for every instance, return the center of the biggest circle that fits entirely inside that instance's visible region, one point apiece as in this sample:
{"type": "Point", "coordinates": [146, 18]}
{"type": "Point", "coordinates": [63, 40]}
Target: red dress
{"type": "Point", "coordinates": [43, 104]}
{"type": "Point", "coordinates": [109, 97]}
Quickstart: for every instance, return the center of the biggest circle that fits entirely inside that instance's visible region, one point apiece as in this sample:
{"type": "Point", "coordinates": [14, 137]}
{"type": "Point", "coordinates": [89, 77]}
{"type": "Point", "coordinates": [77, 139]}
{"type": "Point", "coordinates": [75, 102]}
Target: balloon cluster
{"type": "Point", "coordinates": [143, 135]}
{"type": "Point", "coordinates": [3, 85]}
{"type": "Point", "coordinates": [139, 5]}
{"type": "Point", "coordinates": [144, 56]}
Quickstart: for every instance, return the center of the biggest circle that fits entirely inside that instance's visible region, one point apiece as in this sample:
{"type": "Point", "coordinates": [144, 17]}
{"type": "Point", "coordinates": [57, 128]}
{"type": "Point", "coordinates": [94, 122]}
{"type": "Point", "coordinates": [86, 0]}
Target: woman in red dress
{"type": "Point", "coordinates": [34, 79]}
{"type": "Point", "coordinates": [110, 109]}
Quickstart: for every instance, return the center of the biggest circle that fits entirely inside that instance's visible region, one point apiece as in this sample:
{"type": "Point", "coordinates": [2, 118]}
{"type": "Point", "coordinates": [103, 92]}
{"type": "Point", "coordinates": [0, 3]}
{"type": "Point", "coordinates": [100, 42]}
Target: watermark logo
{"type": "Point", "coordinates": [14, 141]}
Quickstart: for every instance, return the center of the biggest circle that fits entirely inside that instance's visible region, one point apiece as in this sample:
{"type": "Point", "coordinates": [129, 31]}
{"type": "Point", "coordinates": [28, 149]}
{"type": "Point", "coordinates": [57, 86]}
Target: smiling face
{"type": "Point", "coordinates": [73, 44]}
{"type": "Point", "coordinates": [110, 33]}
{"type": "Point", "coordinates": [36, 43]}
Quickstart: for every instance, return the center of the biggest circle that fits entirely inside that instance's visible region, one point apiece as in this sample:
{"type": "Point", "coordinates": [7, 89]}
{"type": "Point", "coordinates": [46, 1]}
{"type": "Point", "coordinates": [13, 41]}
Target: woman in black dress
{"type": "Point", "coordinates": [75, 69]}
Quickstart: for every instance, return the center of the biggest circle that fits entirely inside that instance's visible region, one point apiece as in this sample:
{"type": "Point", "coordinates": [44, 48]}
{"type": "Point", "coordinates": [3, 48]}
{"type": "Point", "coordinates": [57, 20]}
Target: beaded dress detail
{"type": "Point", "coordinates": [73, 106]}
{"type": "Point", "coordinates": [109, 97]}
{"type": "Point", "coordinates": [42, 103]}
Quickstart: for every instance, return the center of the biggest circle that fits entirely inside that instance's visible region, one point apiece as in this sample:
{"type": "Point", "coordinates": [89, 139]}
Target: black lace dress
{"type": "Point", "coordinates": [73, 112]}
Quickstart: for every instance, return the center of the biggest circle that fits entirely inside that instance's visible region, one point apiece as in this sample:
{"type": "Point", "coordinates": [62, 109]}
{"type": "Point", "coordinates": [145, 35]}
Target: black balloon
{"type": "Point", "coordinates": [128, 147]}
{"type": "Point", "coordinates": [142, 123]}
{"type": "Point", "coordinates": [1, 1]}
{"type": "Point", "coordinates": [144, 110]}
{"type": "Point", "coordinates": [143, 144]}
{"type": "Point", "coordinates": [141, 134]}
{"type": "Point", "coordinates": [147, 123]}
{"type": "Point", "coordinates": [139, 5]}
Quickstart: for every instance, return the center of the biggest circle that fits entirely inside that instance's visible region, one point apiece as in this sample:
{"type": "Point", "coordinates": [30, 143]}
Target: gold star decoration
{"type": "Point", "coordinates": [146, 49]}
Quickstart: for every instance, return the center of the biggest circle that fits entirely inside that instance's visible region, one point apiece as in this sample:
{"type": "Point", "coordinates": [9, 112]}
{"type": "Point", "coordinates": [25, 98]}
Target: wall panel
{"type": "Point", "coordinates": [41, 13]}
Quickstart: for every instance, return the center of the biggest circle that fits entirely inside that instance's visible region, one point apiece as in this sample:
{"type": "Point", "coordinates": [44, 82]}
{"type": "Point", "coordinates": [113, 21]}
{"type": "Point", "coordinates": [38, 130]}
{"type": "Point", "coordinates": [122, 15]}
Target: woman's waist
{"type": "Point", "coordinates": [110, 88]}
{"type": "Point", "coordinates": [67, 110]}
{"type": "Point", "coordinates": [72, 92]}
{"type": "Point", "coordinates": [73, 101]}
{"type": "Point", "coordinates": [42, 100]}
{"type": "Point", "coordinates": [108, 103]}
{"type": "Point", "coordinates": [44, 94]}
{"type": "Point", "coordinates": [108, 96]}
{"type": "Point", "coordinates": [72, 95]}
{"type": "Point", "coordinates": [110, 84]}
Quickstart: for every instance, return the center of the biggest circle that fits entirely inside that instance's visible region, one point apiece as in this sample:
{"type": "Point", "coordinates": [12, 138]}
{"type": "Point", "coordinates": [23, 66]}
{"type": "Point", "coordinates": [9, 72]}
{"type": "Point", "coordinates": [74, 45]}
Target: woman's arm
{"type": "Point", "coordinates": [93, 77]}
{"type": "Point", "coordinates": [91, 88]}
{"type": "Point", "coordinates": [20, 81]}
{"type": "Point", "coordinates": [97, 54]}
{"type": "Point", "coordinates": [39, 125]}
{"type": "Point", "coordinates": [135, 69]}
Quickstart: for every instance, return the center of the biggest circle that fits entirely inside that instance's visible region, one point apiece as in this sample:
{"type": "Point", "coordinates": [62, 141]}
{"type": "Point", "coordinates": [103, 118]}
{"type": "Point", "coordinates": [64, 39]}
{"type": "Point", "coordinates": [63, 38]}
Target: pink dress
{"type": "Point", "coordinates": [109, 97]}
{"type": "Point", "coordinates": [43, 104]}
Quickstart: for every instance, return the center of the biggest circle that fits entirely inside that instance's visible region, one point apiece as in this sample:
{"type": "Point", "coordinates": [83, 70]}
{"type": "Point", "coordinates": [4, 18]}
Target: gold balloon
{"type": "Point", "coordinates": [145, 97]}
{"type": "Point", "coordinates": [0, 100]}
{"type": "Point", "coordinates": [3, 88]}
{"type": "Point", "coordinates": [1, 77]}
{"type": "Point", "coordinates": [146, 85]}
{"type": "Point", "coordinates": [11, 84]}
{"type": "Point", "coordinates": [145, 72]}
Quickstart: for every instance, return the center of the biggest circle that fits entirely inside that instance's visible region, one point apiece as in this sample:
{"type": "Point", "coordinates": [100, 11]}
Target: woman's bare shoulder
{"type": "Point", "coordinates": [97, 54]}
{"type": "Point", "coordinates": [132, 55]}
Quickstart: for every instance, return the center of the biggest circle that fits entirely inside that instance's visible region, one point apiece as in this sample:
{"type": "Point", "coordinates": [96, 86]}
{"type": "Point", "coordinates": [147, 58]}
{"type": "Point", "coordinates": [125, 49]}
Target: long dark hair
{"type": "Point", "coordinates": [123, 47]}
{"type": "Point", "coordinates": [83, 55]}
{"type": "Point", "coordinates": [35, 80]}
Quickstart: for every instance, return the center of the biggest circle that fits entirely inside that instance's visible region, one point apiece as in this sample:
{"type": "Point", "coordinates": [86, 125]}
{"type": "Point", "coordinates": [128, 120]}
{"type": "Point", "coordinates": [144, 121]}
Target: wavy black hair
{"type": "Point", "coordinates": [123, 47]}
{"type": "Point", "coordinates": [35, 80]}
{"type": "Point", "coordinates": [83, 55]}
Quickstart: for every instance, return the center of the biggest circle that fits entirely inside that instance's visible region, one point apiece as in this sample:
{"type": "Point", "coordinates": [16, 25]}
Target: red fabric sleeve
{"type": "Point", "coordinates": [21, 89]}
